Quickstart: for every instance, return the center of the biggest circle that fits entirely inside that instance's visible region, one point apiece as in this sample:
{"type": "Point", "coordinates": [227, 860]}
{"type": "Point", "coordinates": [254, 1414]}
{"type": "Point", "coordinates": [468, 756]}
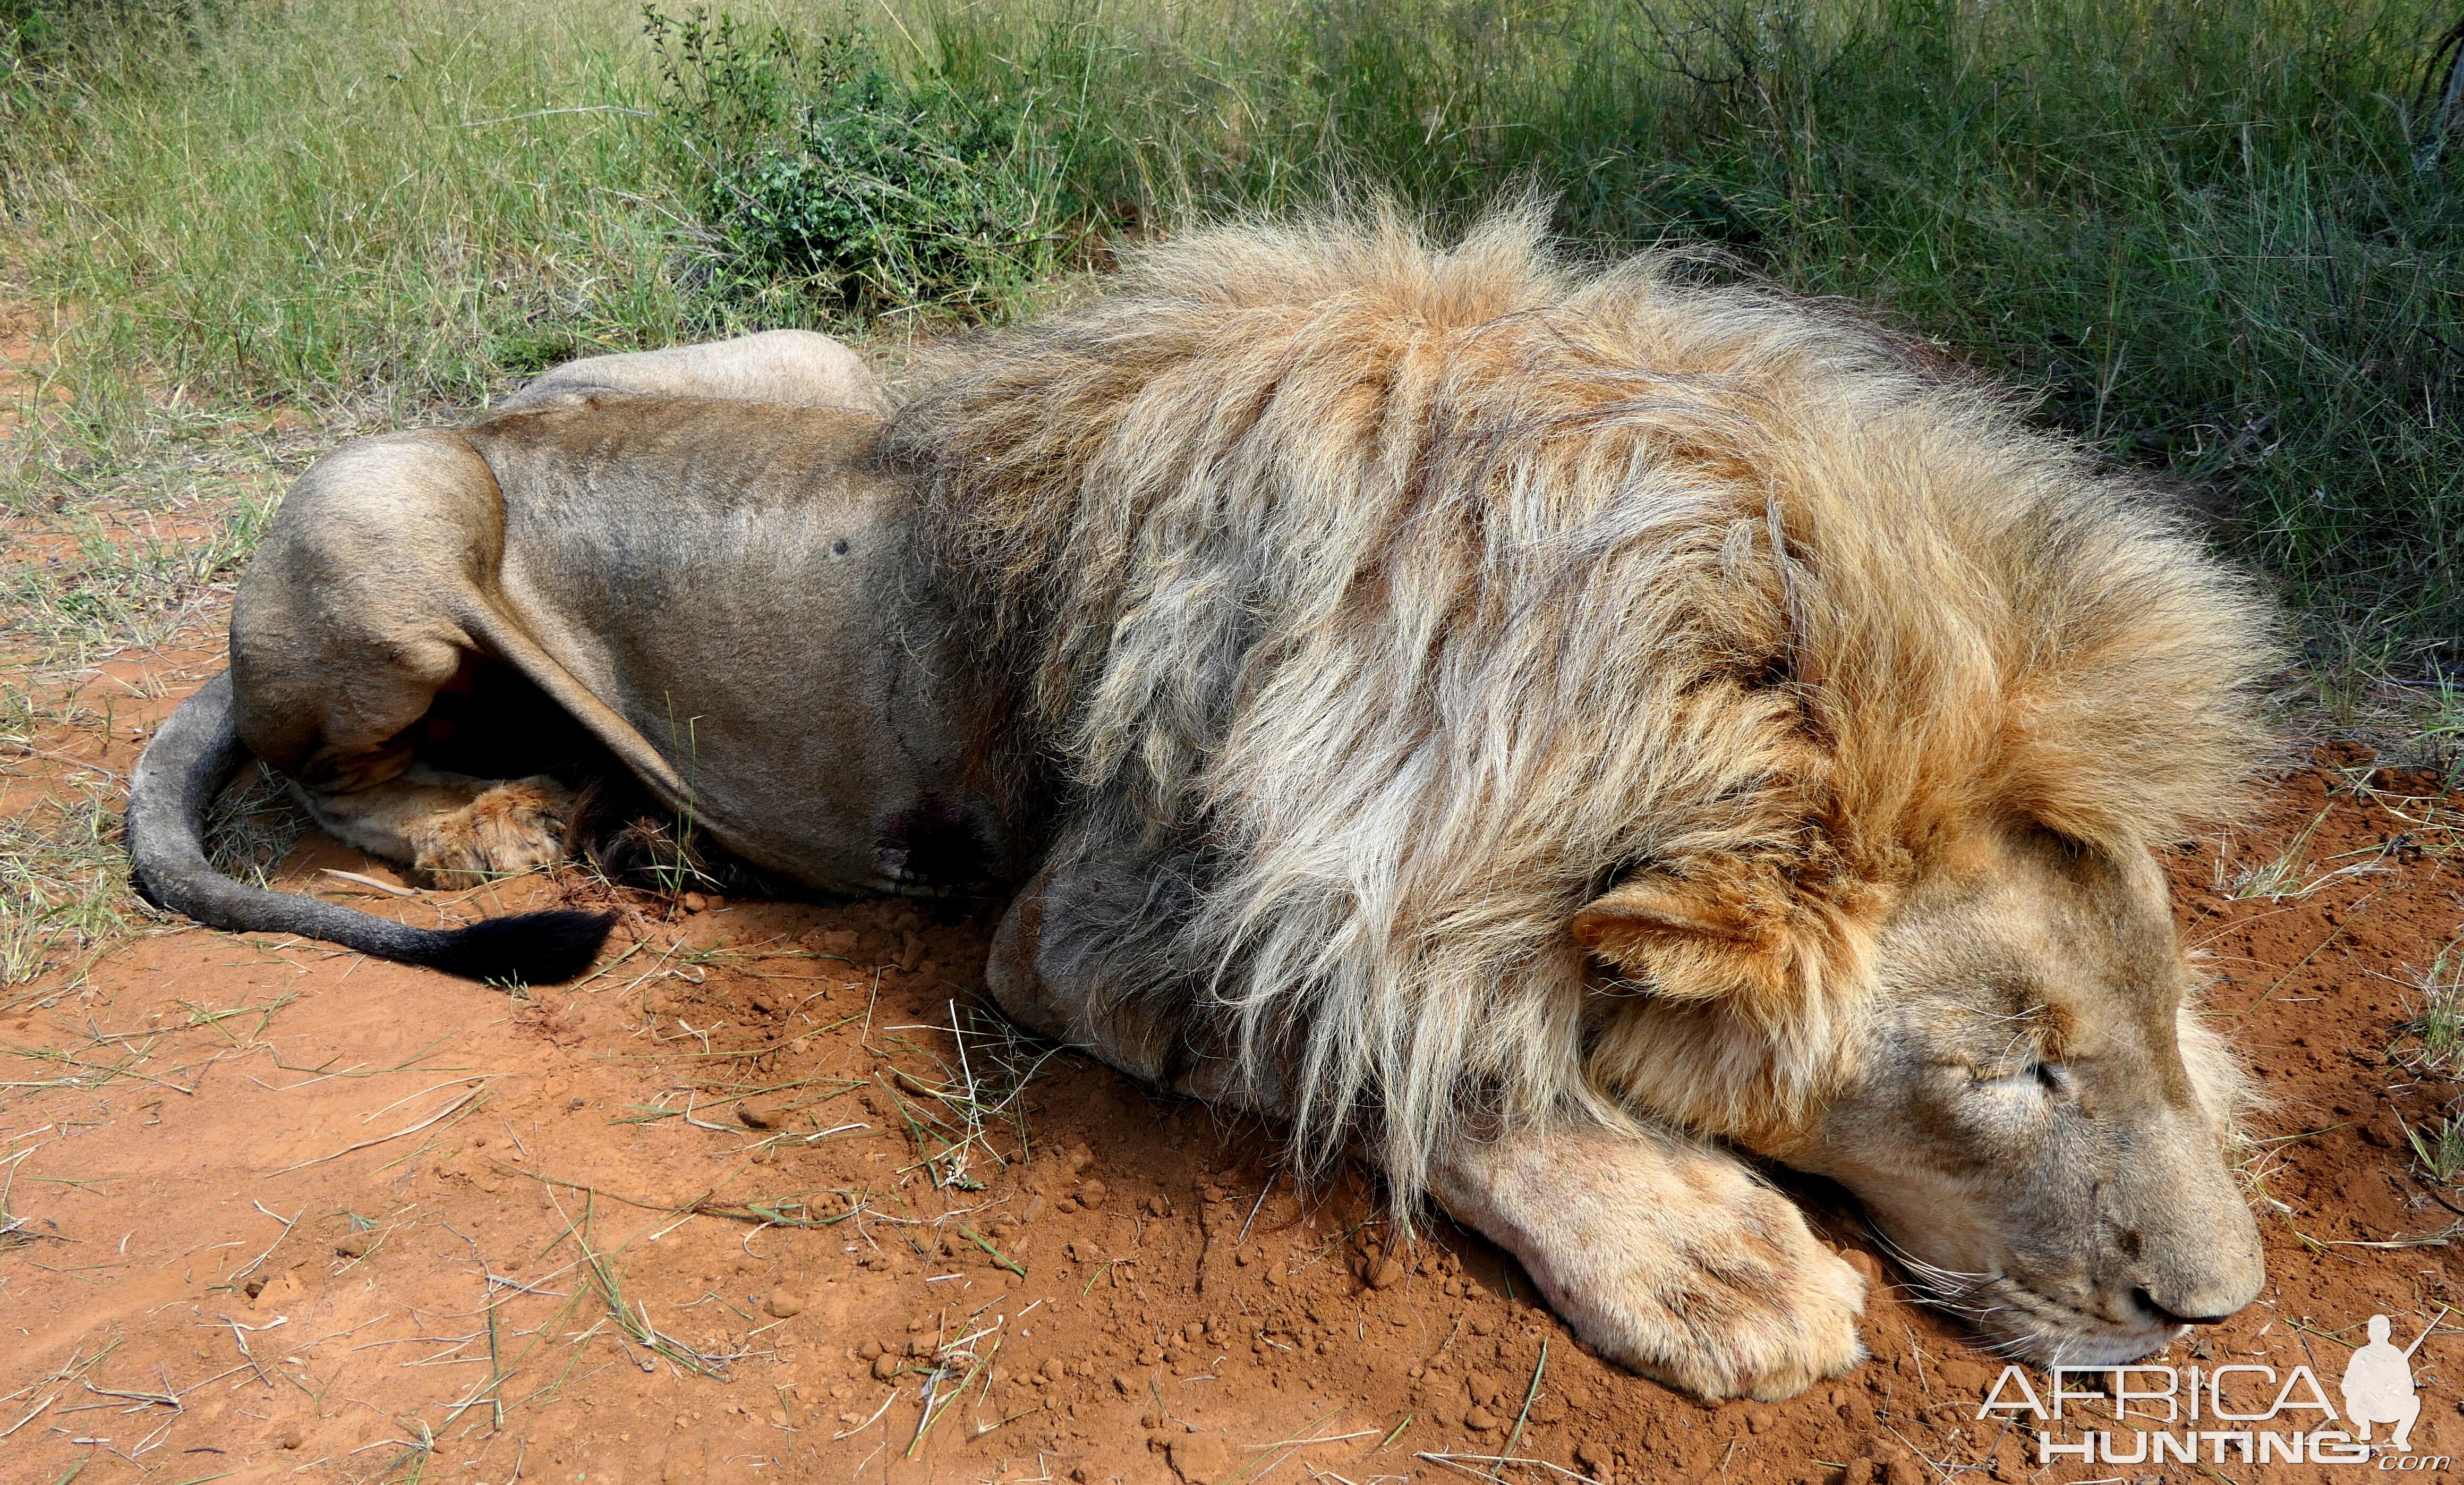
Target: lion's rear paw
{"type": "Point", "coordinates": [518, 826]}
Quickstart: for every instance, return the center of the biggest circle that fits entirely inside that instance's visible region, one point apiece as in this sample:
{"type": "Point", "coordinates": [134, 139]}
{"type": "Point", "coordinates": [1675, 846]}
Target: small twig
{"type": "Point", "coordinates": [868, 1422]}
{"type": "Point", "coordinates": [495, 1369]}
{"type": "Point", "coordinates": [166, 1399]}
{"type": "Point", "coordinates": [288, 1222]}
{"type": "Point", "coordinates": [1465, 1463]}
{"type": "Point", "coordinates": [39, 1409]}
{"type": "Point", "coordinates": [369, 881]}
{"type": "Point", "coordinates": [1253, 1211]}
{"type": "Point", "coordinates": [240, 1338]}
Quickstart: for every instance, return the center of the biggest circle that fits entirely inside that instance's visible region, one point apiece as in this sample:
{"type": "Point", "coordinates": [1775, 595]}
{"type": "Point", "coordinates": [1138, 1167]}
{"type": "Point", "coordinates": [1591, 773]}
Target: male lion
{"type": "Point", "coordinates": [1556, 734]}
{"type": "Point", "coordinates": [1560, 730]}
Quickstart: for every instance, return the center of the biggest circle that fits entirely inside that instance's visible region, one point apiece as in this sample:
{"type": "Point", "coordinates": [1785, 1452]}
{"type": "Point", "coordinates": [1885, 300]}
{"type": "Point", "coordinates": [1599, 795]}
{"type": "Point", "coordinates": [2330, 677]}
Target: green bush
{"type": "Point", "coordinates": [867, 192]}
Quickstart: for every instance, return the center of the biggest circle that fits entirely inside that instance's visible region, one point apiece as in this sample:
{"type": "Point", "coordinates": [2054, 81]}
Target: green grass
{"type": "Point", "coordinates": [2434, 1040]}
{"type": "Point", "coordinates": [2221, 240]}
{"type": "Point", "coordinates": [335, 200]}
{"type": "Point", "coordinates": [2215, 240]}
{"type": "Point", "coordinates": [128, 581]}
{"type": "Point", "coordinates": [112, 543]}
{"type": "Point", "coordinates": [2440, 1149]}
{"type": "Point", "coordinates": [62, 892]}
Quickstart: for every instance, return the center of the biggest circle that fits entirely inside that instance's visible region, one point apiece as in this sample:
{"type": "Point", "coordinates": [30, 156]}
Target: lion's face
{"type": "Point", "coordinates": [2031, 1116]}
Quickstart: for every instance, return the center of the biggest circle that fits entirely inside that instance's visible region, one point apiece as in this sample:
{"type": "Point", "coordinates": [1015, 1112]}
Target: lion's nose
{"type": "Point", "coordinates": [2169, 1315]}
{"type": "Point", "coordinates": [2195, 1249]}
{"type": "Point", "coordinates": [2206, 1274]}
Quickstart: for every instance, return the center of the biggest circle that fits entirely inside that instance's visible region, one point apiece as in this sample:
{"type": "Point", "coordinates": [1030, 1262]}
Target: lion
{"type": "Point", "coordinates": [1569, 738]}
{"type": "Point", "coordinates": [603, 576]}
{"type": "Point", "coordinates": [1568, 734]}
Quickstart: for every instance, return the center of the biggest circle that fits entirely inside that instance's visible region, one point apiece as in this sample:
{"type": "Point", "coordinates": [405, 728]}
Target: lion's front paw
{"type": "Point", "coordinates": [1667, 1256]}
{"type": "Point", "coordinates": [518, 826]}
{"type": "Point", "coordinates": [1759, 1314]}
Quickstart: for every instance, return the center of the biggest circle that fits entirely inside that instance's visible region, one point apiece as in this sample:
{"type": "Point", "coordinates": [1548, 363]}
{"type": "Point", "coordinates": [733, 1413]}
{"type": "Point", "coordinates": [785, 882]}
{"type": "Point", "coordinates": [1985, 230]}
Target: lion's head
{"type": "Point", "coordinates": [1549, 690]}
{"type": "Point", "coordinates": [2027, 1109]}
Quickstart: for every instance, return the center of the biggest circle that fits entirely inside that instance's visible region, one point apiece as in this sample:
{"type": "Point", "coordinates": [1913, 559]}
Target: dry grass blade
{"type": "Point", "coordinates": [14, 1230]}
{"type": "Point", "coordinates": [936, 1405]}
{"type": "Point", "coordinates": [1465, 1462]}
{"type": "Point", "coordinates": [1531, 1395]}
{"type": "Point", "coordinates": [778, 1212]}
{"type": "Point", "coordinates": [2283, 876]}
{"type": "Point", "coordinates": [2436, 1027]}
{"type": "Point", "coordinates": [288, 1222]}
{"type": "Point", "coordinates": [633, 1319]}
{"type": "Point", "coordinates": [1288, 1445]}
{"type": "Point", "coordinates": [2343, 924]}
{"type": "Point", "coordinates": [463, 1104]}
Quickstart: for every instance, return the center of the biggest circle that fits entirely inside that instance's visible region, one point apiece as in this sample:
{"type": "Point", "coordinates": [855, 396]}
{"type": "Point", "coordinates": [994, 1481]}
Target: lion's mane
{"type": "Point", "coordinates": [1406, 598]}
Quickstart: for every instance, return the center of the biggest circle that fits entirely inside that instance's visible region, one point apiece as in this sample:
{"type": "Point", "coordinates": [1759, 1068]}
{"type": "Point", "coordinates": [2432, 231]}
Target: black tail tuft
{"type": "Point", "coordinates": [533, 948]}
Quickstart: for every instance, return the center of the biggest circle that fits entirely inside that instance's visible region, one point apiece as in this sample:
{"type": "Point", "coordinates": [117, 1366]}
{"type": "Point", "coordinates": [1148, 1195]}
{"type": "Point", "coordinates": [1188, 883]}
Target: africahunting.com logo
{"type": "Point", "coordinates": [2236, 1412]}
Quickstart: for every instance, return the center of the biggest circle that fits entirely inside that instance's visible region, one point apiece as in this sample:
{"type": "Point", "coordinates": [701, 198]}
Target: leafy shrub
{"type": "Point", "coordinates": [869, 191]}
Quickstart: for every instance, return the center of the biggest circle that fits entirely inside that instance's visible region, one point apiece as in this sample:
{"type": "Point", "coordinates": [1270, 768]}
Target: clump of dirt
{"type": "Point", "coordinates": [771, 1194]}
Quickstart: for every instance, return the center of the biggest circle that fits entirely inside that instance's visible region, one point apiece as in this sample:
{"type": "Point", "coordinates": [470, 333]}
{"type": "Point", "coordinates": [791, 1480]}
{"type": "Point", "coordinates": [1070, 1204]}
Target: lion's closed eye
{"type": "Point", "coordinates": [2045, 1078]}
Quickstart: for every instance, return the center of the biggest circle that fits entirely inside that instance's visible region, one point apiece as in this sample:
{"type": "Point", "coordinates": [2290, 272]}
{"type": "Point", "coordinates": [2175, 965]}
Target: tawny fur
{"type": "Point", "coordinates": [1406, 599]}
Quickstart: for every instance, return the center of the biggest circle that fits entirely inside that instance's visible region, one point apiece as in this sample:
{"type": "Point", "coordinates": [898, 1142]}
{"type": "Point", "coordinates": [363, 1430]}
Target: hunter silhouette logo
{"type": "Point", "coordinates": [2378, 1384]}
{"type": "Point", "coordinates": [2232, 1412]}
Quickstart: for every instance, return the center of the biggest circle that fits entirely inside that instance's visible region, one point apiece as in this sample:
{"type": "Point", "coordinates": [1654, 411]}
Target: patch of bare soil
{"type": "Point", "coordinates": [771, 1196]}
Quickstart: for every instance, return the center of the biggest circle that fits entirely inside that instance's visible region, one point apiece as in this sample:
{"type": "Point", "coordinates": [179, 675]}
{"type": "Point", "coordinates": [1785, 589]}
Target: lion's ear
{"type": "Point", "coordinates": [1653, 906]}
{"type": "Point", "coordinates": [1695, 938]}
{"type": "Point", "coordinates": [1657, 907]}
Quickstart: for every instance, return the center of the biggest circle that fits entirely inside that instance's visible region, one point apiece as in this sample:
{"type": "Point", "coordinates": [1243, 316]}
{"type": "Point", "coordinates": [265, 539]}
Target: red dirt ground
{"type": "Point", "coordinates": [720, 1213]}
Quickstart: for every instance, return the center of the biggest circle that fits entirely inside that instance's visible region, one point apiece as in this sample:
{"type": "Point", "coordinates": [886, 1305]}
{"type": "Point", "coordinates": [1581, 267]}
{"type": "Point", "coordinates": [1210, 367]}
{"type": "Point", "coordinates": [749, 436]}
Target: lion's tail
{"type": "Point", "coordinates": [177, 778]}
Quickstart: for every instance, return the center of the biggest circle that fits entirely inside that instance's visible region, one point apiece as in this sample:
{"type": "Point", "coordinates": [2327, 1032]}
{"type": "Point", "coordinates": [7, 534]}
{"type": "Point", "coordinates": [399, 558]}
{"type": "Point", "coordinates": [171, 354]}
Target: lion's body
{"type": "Point", "coordinates": [1540, 730]}
{"type": "Point", "coordinates": [648, 561]}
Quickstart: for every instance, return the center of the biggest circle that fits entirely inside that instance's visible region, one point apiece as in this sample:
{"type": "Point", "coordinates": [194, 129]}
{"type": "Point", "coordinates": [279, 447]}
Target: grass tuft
{"type": "Point", "coordinates": [2440, 1148]}
{"type": "Point", "coordinates": [2437, 1029]}
{"type": "Point", "coordinates": [253, 825]}
{"type": "Point", "coordinates": [63, 888]}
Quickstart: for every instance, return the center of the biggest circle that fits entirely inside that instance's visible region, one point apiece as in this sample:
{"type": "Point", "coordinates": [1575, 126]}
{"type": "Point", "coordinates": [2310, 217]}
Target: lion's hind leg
{"type": "Point", "coordinates": [352, 640]}
{"type": "Point", "coordinates": [1665, 1253]}
{"type": "Point", "coordinates": [450, 829]}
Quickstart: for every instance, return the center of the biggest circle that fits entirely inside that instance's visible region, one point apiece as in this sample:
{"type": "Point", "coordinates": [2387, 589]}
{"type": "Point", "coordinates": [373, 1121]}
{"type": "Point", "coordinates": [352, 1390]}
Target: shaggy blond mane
{"type": "Point", "coordinates": [1408, 598]}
